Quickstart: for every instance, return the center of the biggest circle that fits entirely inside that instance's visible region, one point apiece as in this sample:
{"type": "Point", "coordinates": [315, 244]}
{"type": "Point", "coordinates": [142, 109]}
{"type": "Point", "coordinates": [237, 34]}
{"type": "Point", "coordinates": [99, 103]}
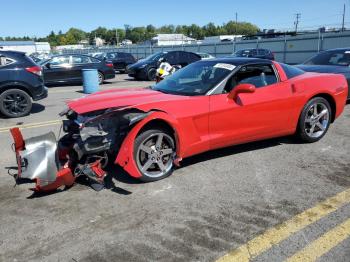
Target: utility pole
{"type": "Point", "coordinates": [116, 37]}
{"type": "Point", "coordinates": [236, 23]}
{"type": "Point", "coordinates": [297, 20]}
{"type": "Point", "coordinates": [343, 23]}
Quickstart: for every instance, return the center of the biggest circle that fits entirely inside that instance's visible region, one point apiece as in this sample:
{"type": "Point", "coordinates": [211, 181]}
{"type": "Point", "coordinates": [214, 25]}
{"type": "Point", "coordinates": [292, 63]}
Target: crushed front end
{"type": "Point", "coordinates": [89, 141]}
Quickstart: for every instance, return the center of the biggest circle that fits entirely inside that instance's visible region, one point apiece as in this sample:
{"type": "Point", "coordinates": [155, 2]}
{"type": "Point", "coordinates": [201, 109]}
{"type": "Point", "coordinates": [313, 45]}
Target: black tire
{"type": "Point", "coordinates": [151, 74]}
{"type": "Point", "coordinates": [308, 121]}
{"type": "Point", "coordinates": [164, 154]}
{"type": "Point", "coordinates": [15, 103]}
{"type": "Point", "coordinates": [101, 78]}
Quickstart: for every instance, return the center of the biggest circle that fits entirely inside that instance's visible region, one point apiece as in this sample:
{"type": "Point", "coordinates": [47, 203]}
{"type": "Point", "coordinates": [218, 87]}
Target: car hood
{"type": "Point", "coordinates": [324, 68]}
{"type": "Point", "coordinates": [122, 98]}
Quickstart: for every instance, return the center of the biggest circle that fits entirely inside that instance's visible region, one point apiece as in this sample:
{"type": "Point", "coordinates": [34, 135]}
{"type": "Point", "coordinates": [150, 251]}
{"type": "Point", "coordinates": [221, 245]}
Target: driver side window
{"type": "Point", "coordinates": [257, 75]}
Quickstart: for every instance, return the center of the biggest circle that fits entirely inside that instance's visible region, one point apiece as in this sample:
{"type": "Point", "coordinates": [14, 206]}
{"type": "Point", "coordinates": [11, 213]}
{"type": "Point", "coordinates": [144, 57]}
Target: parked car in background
{"type": "Point", "coordinates": [146, 69]}
{"type": "Point", "coordinates": [331, 61]}
{"type": "Point", "coordinates": [255, 53]}
{"type": "Point", "coordinates": [20, 82]}
{"type": "Point", "coordinates": [68, 68]}
{"type": "Point", "coordinates": [205, 56]}
{"type": "Point", "coordinates": [120, 60]}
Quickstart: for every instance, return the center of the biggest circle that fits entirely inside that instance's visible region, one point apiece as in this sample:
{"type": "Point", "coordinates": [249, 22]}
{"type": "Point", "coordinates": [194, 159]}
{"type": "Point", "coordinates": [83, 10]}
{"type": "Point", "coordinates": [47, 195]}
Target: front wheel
{"type": "Point", "coordinates": [315, 120]}
{"type": "Point", "coordinates": [154, 151]}
{"type": "Point", "coordinates": [15, 103]}
{"type": "Point", "coordinates": [151, 74]}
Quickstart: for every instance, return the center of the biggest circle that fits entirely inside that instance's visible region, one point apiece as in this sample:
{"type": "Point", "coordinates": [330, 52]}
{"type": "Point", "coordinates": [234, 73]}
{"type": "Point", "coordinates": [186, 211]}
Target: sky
{"type": "Point", "coordinates": [39, 17]}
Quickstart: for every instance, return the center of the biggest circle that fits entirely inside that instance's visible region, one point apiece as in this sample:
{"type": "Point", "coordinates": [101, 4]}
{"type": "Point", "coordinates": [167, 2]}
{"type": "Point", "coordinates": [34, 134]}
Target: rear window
{"type": "Point", "coordinates": [291, 71]}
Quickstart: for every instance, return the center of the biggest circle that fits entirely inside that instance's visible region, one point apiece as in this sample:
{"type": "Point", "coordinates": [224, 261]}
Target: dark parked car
{"type": "Point", "coordinates": [335, 61]}
{"type": "Point", "coordinates": [20, 82]}
{"type": "Point", "coordinates": [255, 53]}
{"type": "Point", "coordinates": [120, 60]}
{"type": "Point", "coordinates": [146, 69]}
{"type": "Point", "coordinates": [68, 68]}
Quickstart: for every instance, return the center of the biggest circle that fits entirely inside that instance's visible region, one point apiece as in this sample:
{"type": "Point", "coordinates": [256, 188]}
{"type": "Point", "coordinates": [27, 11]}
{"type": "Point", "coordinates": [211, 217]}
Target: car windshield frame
{"type": "Point", "coordinates": [210, 75]}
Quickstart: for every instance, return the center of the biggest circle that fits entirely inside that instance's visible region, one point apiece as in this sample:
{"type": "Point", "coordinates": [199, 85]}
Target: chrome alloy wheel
{"type": "Point", "coordinates": [154, 155]}
{"type": "Point", "coordinates": [316, 120]}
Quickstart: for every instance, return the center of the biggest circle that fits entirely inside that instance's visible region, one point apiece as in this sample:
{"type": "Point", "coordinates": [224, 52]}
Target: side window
{"type": "Point", "coordinates": [122, 55]}
{"type": "Point", "coordinates": [80, 60]}
{"type": "Point", "coordinates": [171, 57]}
{"type": "Point", "coordinates": [257, 75]}
{"type": "Point", "coordinates": [192, 58]}
{"type": "Point", "coordinates": [94, 60]}
{"type": "Point", "coordinates": [60, 61]}
{"type": "Point", "coordinates": [5, 61]}
{"type": "Point", "coordinates": [111, 56]}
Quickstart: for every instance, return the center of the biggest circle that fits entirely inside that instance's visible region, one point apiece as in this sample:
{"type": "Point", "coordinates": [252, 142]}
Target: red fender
{"type": "Point", "coordinates": [125, 156]}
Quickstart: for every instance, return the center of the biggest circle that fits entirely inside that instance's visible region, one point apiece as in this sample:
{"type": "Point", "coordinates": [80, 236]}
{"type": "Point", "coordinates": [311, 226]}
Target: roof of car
{"type": "Point", "coordinates": [240, 60]}
{"type": "Point", "coordinates": [338, 49]}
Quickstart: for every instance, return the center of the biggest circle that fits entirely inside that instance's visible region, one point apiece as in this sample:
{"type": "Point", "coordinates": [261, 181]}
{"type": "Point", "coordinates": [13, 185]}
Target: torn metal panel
{"type": "Point", "coordinates": [39, 159]}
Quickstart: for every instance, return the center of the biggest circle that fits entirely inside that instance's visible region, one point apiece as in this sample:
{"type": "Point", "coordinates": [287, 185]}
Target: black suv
{"type": "Point", "coordinates": [146, 69]}
{"type": "Point", "coordinates": [120, 60]}
{"type": "Point", "coordinates": [20, 82]}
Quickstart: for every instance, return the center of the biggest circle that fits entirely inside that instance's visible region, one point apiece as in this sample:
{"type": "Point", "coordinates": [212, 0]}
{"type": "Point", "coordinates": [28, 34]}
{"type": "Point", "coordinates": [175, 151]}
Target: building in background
{"type": "Point", "coordinates": [28, 47]}
{"type": "Point", "coordinates": [220, 38]}
{"type": "Point", "coordinates": [172, 39]}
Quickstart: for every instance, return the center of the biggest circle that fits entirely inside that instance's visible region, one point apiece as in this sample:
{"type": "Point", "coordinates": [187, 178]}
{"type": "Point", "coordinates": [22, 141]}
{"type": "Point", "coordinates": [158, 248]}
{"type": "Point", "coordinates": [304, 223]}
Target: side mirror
{"type": "Point", "coordinates": [241, 88]}
{"type": "Point", "coordinates": [48, 65]}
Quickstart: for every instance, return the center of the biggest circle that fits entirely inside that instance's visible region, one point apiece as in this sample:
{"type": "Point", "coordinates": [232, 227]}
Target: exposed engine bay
{"type": "Point", "coordinates": [90, 140]}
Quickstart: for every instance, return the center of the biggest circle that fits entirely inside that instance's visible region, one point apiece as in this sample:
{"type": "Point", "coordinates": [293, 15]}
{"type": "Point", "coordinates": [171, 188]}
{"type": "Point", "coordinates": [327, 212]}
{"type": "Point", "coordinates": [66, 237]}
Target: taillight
{"type": "Point", "coordinates": [34, 70]}
{"type": "Point", "coordinates": [109, 65]}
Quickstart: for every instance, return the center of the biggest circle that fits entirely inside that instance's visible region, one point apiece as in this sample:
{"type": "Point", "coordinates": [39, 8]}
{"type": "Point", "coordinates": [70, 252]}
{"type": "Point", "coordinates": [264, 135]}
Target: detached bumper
{"type": "Point", "coordinates": [40, 160]}
{"type": "Point", "coordinates": [37, 160]}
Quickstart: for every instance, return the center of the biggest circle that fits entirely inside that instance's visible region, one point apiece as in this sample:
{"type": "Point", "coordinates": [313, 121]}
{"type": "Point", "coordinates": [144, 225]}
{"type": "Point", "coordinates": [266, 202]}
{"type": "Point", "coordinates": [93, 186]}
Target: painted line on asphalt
{"type": "Point", "coordinates": [275, 235]}
{"type": "Point", "coordinates": [32, 125]}
{"type": "Point", "coordinates": [323, 244]}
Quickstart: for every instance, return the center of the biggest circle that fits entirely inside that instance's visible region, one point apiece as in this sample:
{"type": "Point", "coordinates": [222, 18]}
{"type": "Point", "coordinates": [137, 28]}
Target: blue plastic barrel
{"type": "Point", "coordinates": [90, 81]}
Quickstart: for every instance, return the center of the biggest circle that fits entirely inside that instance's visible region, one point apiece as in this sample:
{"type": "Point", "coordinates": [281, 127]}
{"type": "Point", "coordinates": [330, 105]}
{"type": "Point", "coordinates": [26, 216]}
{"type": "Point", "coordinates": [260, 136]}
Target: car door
{"type": "Point", "coordinates": [78, 63]}
{"type": "Point", "coordinates": [57, 69]}
{"type": "Point", "coordinates": [252, 116]}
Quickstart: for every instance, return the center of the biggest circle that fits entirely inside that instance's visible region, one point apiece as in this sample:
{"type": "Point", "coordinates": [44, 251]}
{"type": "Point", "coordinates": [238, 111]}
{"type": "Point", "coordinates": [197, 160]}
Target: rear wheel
{"type": "Point", "coordinates": [101, 78]}
{"type": "Point", "coordinates": [154, 152]}
{"type": "Point", "coordinates": [315, 120]}
{"type": "Point", "coordinates": [15, 103]}
{"type": "Point", "coordinates": [151, 74]}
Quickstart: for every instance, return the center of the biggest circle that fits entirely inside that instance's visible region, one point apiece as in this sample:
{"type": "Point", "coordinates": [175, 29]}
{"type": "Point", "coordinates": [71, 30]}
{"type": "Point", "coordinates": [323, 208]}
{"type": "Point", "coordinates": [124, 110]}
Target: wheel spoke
{"type": "Point", "coordinates": [312, 129]}
{"type": "Point", "coordinates": [161, 165]}
{"type": "Point", "coordinates": [320, 126]}
{"type": "Point", "coordinates": [147, 165]}
{"type": "Point", "coordinates": [322, 114]}
{"type": "Point", "coordinates": [159, 141]}
{"type": "Point", "coordinates": [167, 151]}
{"type": "Point", "coordinates": [146, 149]}
{"type": "Point", "coordinates": [315, 110]}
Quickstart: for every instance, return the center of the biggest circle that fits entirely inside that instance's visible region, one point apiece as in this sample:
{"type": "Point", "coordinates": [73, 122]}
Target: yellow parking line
{"type": "Point", "coordinates": [65, 91]}
{"type": "Point", "coordinates": [33, 125]}
{"type": "Point", "coordinates": [275, 235]}
{"type": "Point", "coordinates": [323, 244]}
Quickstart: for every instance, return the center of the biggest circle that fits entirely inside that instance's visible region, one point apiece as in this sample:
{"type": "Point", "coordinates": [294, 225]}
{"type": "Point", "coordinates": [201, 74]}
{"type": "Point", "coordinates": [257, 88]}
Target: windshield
{"type": "Point", "coordinates": [337, 58]}
{"type": "Point", "coordinates": [195, 79]}
{"type": "Point", "coordinates": [154, 57]}
{"type": "Point", "coordinates": [245, 53]}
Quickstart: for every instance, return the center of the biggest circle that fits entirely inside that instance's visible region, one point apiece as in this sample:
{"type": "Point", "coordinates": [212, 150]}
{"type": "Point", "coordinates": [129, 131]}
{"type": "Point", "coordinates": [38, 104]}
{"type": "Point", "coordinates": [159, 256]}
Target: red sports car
{"type": "Point", "coordinates": [207, 105]}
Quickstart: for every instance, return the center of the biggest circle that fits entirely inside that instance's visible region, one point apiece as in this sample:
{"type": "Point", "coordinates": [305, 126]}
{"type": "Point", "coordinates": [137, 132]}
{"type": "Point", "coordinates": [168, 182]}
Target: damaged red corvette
{"type": "Point", "coordinates": [207, 105]}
